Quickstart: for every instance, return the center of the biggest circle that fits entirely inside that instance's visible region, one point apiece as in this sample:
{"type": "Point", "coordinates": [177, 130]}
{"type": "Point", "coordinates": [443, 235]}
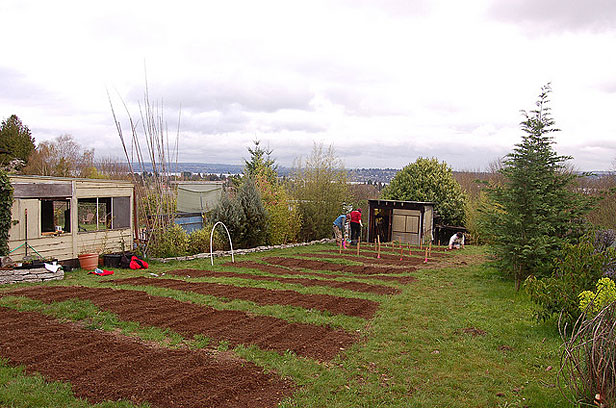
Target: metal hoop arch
{"type": "Point", "coordinates": [212, 236]}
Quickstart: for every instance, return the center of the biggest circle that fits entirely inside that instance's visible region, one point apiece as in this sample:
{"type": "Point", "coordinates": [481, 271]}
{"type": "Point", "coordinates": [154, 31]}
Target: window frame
{"type": "Point", "coordinates": [97, 201]}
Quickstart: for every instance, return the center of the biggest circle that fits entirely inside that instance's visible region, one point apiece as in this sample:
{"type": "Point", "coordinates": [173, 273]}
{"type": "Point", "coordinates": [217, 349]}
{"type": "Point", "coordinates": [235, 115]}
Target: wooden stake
{"type": "Point", "coordinates": [426, 259]}
{"type": "Point", "coordinates": [410, 249]}
{"type": "Point", "coordinates": [430, 250]}
{"type": "Point", "coordinates": [358, 240]}
{"type": "Point", "coordinates": [340, 247]}
{"type": "Point", "coordinates": [378, 252]}
{"type": "Point", "coordinates": [401, 251]}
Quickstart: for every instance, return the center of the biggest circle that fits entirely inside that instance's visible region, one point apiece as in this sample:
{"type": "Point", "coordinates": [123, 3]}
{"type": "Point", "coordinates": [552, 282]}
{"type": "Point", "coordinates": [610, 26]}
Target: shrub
{"type": "Point", "coordinates": [577, 268]}
{"type": "Point", "coordinates": [6, 204]}
{"type": "Point", "coordinates": [591, 302]}
{"type": "Point", "coordinates": [283, 222]}
{"type": "Point", "coordinates": [169, 242]}
{"type": "Point", "coordinates": [199, 240]}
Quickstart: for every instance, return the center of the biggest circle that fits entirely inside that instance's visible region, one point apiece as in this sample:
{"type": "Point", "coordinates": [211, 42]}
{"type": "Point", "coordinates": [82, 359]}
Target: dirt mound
{"type": "Point", "coordinates": [353, 286]}
{"type": "Point", "coordinates": [333, 304]}
{"type": "Point", "coordinates": [101, 366]}
{"type": "Point", "coordinates": [331, 266]}
{"type": "Point", "coordinates": [188, 319]}
{"type": "Point", "coordinates": [279, 270]}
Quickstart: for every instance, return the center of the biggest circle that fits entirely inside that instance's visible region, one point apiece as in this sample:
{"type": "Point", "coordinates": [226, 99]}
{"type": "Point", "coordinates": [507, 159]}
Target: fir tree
{"type": "Point", "coordinates": [255, 227]}
{"type": "Point", "coordinates": [536, 208]}
{"type": "Point", "coordinates": [16, 141]}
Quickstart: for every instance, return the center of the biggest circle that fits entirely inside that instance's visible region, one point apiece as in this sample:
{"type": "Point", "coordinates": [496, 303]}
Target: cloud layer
{"type": "Point", "coordinates": [384, 82]}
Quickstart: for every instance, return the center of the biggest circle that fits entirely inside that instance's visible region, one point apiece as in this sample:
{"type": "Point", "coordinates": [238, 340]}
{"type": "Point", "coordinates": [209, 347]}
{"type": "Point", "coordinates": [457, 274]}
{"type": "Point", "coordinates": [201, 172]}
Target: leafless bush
{"type": "Point", "coordinates": [588, 360]}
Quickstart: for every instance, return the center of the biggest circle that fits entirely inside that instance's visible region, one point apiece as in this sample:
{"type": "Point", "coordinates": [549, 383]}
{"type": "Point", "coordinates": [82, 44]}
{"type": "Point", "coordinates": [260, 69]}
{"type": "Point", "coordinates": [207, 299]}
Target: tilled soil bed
{"type": "Point", "coordinates": [188, 319]}
{"type": "Point", "coordinates": [394, 254]}
{"type": "Point", "coordinates": [336, 267]}
{"type": "Point", "coordinates": [280, 270]}
{"type": "Point", "coordinates": [384, 260]}
{"type": "Point", "coordinates": [101, 366]}
{"type": "Point", "coordinates": [333, 304]}
{"type": "Point", "coordinates": [353, 286]}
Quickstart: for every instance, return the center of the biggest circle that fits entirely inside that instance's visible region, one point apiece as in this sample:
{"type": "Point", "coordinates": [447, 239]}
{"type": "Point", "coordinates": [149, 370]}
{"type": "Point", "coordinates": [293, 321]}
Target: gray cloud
{"type": "Point", "coordinates": [557, 15]}
{"type": "Point", "coordinates": [214, 122]}
{"type": "Point", "coordinates": [18, 89]}
{"type": "Point", "coordinates": [224, 95]}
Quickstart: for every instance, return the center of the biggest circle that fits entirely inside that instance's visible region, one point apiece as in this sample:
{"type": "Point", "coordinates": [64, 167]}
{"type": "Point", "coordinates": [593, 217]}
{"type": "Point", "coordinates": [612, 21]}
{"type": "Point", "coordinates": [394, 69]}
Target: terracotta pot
{"type": "Point", "coordinates": [88, 261]}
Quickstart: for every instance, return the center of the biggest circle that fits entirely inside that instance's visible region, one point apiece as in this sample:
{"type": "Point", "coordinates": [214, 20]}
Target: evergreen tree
{"type": "Point", "coordinates": [535, 209]}
{"type": "Point", "coordinates": [16, 141]}
{"type": "Point", "coordinates": [261, 163]}
{"type": "Point", "coordinates": [255, 226]}
{"type": "Point", "coordinates": [231, 214]}
{"type": "Point", "coordinates": [429, 180]}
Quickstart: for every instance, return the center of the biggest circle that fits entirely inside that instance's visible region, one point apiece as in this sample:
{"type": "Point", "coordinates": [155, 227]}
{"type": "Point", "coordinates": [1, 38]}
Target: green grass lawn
{"type": "Point", "coordinates": [413, 353]}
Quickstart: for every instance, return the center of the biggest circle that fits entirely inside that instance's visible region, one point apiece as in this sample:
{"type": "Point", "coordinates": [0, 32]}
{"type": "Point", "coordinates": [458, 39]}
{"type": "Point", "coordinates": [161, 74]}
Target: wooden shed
{"type": "Point", "coordinates": [402, 221]}
{"type": "Point", "coordinates": [63, 217]}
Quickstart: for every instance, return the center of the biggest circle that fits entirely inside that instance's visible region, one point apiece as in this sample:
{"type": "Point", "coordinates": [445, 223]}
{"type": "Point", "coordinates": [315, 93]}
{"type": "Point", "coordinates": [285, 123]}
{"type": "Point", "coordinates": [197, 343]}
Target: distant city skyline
{"type": "Point", "coordinates": [384, 82]}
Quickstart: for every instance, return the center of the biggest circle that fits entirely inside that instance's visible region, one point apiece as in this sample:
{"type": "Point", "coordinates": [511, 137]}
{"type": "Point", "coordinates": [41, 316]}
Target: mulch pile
{"type": "Point", "coordinates": [280, 270]}
{"type": "Point", "coordinates": [189, 319]}
{"type": "Point", "coordinates": [332, 266]}
{"type": "Point", "coordinates": [333, 304]}
{"type": "Point", "coordinates": [353, 286]}
{"type": "Point", "coordinates": [101, 366]}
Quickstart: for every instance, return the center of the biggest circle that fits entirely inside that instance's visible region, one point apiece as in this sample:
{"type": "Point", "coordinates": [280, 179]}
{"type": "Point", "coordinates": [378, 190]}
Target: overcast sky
{"type": "Point", "coordinates": [384, 81]}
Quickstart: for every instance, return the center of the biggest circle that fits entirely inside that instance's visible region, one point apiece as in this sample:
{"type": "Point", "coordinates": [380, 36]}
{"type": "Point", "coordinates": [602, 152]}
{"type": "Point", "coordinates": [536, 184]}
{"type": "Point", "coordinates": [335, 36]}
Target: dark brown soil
{"type": "Point", "coordinates": [353, 286]}
{"type": "Point", "coordinates": [384, 260]}
{"type": "Point", "coordinates": [332, 266]}
{"type": "Point", "coordinates": [189, 319]}
{"type": "Point", "coordinates": [333, 304]}
{"type": "Point", "coordinates": [280, 270]}
{"type": "Point", "coordinates": [101, 366]}
{"type": "Point", "coordinates": [393, 255]}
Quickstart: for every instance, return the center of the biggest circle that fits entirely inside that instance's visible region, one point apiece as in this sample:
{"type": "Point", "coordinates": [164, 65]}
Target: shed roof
{"type": "Point", "coordinates": [378, 201]}
{"type": "Point", "coordinates": [34, 178]}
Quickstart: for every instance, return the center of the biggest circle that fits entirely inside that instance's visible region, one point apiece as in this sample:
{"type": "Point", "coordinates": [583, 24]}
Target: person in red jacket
{"type": "Point", "coordinates": [355, 225]}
